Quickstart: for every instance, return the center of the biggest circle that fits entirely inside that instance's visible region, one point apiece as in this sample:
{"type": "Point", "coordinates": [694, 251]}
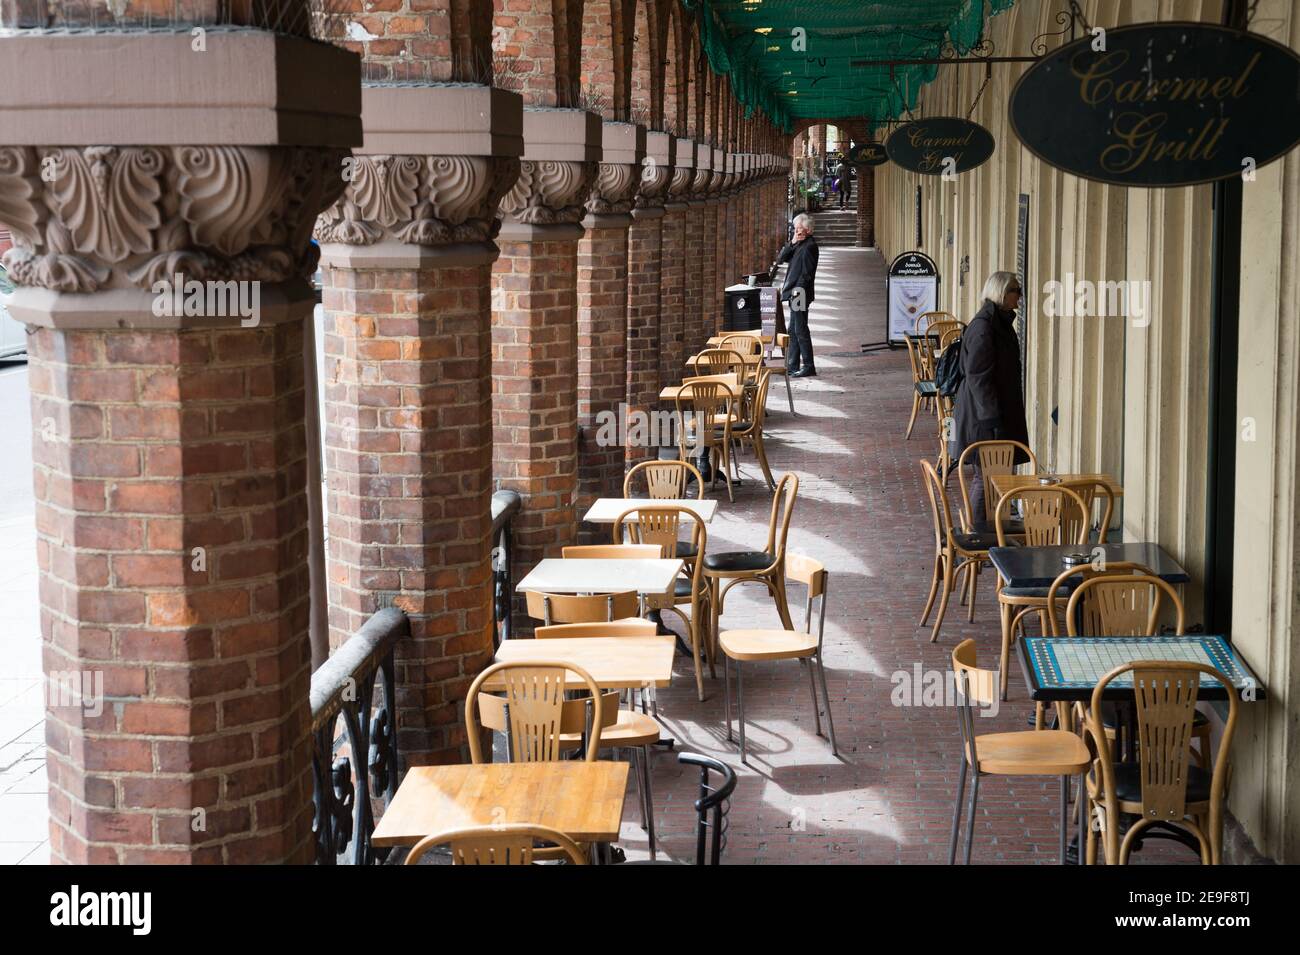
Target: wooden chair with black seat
{"type": "Point", "coordinates": [1024, 753]}
{"type": "Point", "coordinates": [766, 566]}
{"type": "Point", "coordinates": [1160, 786]}
{"type": "Point", "coordinates": [1048, 518]}
{"type": "Point", "coordinates": [955, 550]}
{"type": "Point", "coordinates": [749, 430]}
{"type": "Point", "coordinates": [802, 645]}
{"type": "Point", "coordinates": [660, 527]}
{"type": "Point", "coordinates": [536, 717]}
{"type": "Point", "coordinates": [992, 458]}
{"type": "Point", "coordinates": [629, 730]}
{"type": "Point", "coordinates": [668, 480]}
{"type": "Point", "coordinates": [1121, 599]}
{"type": "Point", "coordinates": [700, 406]}
{"type": "Point", "coordinates": [514, 844]}
{"type": "Point", "coordinates": [923, 387]}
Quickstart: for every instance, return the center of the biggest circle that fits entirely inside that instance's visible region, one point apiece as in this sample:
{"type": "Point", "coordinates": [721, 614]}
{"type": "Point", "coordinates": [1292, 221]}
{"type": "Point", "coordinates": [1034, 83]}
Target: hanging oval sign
{"type": "Point", "coordinates": [1160, 104]}
{"type": "Point", "coordinates": [868, 154]}
{"type": "Point", "coordinates": [940, 146]}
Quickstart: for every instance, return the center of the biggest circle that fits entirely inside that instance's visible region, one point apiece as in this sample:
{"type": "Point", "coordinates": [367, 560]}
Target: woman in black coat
{"type": "Point", "coordinates": [989, 404]}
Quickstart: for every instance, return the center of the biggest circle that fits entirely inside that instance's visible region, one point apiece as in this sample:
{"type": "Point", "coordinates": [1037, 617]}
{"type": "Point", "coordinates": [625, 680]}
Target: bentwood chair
{"type": "Point", "coordinates": [498, 845]}
{"type": "Point", "coordinates": [993, 458]}
{"type": "Point", "coordinates": [801, 645]}
{"type": "Point", "coordinates": [1024, 753]}
{"type": "Point", "coordinates": [1089, 492]}
{"type": "Point", "coordinates": [766, 566]}
{"type": "Point", "coordinates": [1123, 599]}
{"type": "Point", "coordinates": [668, 479]}
{"type": "Point", "coordinates": [743, 344]}
{"type": "Point", "coordinates": [610, 552]}
{"type": "Point", "coordinates": [1160, 786]}
{"type": "Point", "coordinates": [628, 730]}
{"type": "Point", "coordinates": [719, 361]}
{"type": "Point", "coordinates": [582, 608]}
{"type": "Point", "coordinates": [1048, 520]}
{"type": "Point", "coordinates": [954, 550]}
{"type": "Point", "coordinates": [533, 711]}
{"type": "Point", "coordinates": [700, 406]}
{"type": "Point", "coordinates": [926, 320]}
{"type": "Point", "coordinates": [923, 386]}
{"type": "Point", "coordinates": [749, 430]}
{"type": "Point", "coordinates": [658, 527]}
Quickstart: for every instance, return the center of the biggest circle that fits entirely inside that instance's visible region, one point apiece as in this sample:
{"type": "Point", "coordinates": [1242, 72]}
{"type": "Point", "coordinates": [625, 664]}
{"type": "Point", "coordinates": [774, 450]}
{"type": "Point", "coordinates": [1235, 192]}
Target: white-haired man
{"type": "Point", "coordinates": [797, 292]}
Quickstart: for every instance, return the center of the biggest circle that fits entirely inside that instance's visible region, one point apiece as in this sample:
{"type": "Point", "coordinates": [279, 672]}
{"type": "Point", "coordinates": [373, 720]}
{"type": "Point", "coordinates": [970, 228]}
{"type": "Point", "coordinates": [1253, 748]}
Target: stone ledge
{"type": "Point", "coordinates": [448, 120]}
{"type": "Point", "coordinates": [248, 88]}
{"type": "Point", "coordinates": [392, 254]}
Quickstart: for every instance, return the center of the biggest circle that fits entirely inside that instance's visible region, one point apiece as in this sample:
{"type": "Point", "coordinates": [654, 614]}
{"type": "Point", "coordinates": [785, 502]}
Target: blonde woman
{"type": "Point", "coordinates": [990, 404]}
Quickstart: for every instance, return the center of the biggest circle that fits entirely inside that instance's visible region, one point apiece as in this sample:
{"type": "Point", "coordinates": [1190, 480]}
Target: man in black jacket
{"type": "Point", "coordinates": [798, 293]}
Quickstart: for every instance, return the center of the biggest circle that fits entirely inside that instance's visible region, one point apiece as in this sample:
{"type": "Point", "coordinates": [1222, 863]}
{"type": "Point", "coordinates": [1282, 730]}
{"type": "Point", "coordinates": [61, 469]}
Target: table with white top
{"type": "Point", "coordinates": [606, 510]}
{"type": "Point", "coordinates": [584, 576]}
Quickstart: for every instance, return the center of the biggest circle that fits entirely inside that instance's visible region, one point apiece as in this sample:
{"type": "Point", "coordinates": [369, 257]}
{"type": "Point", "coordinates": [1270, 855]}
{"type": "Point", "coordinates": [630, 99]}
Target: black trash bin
{"type": "Point", "coordinates": [743, 311]}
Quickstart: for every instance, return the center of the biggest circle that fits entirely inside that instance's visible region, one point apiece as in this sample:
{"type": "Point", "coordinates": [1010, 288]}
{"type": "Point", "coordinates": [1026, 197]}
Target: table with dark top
{"type": "Point", "coordinates": [1039, 566]}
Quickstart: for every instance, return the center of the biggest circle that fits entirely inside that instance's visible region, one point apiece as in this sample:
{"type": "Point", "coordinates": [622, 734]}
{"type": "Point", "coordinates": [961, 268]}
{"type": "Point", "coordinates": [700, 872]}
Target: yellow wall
{"type": "Point", "coordinates": [1133, 401]}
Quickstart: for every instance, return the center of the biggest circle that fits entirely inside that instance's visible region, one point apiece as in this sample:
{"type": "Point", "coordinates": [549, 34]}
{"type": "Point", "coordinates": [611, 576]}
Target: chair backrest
{"type": "Point", "coordinates": [915, 360]}
{"type": "Point", "coordinates": [711, 808]}
{"type": "Point", "coordinates": [742, 344]}
{"type": "Point", "coordinates": [974, 686]}
{"type": "Point", "coordinates": [609, 552]}
{"type": "Point", "coordinates": [812, 574]}
{"type": "Point", "coordinates": [949, 335]}
{"type": "Point", "coordinates": [533, 711]}
{"type": "Point", "coordinates": [926, 319]}
{"type": "Point", "coordinates": [664, 479]}
{"type": "Point", "coordinates": [713, 360]}
{"type": "Point", "coordinates": [652, 526]}
{"type": "Point", "coordinates": [755, 403]}
{"type": "Point", "coordinates": [698, 402]}
{"type": "Point", "coordinates": [993, 458]}
{"type": "Point", "coordinates": [581, 608]}
{"type": "Point", "coordinates": [619, 628]}
{"type": "Point", "coordinates": [1088, 492]}
{"type": "Point", "coordinates": [778, 523]}
{"type": "Point", "coordinates": [938, 498]}
{"type": "Point", "coordinates": [1121, 602]}
{"type": "Point", "coordinates": [1046, 515]}
{"type": "Point", "coordinates": [496, 845]}
{"type": "Point", "coordinates": [1164, 696]}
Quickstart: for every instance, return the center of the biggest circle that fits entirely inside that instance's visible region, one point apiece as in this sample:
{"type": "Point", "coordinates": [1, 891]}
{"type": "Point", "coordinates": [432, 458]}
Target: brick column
{"type": "Point", "coordinates": [717, 205]}
{"type": "Point", "coordinates": [169, 448]}
{"type": "Point", "coordinates": [728, 226]}
{"type": "Point", "coordinates": [644, 278]}
{"type": "Point", "coordinates": [407, 255]}
{"type": "Point", "coordinates": [535, 330]}
{"type": "Point", "coordinates": [602, 317]}
{"type": "Point", "coordinates": [672, 283]}
{"type": "Point", "coordinates": [867, 206]}
{"type": "Point", "coordinates": [701, 250]}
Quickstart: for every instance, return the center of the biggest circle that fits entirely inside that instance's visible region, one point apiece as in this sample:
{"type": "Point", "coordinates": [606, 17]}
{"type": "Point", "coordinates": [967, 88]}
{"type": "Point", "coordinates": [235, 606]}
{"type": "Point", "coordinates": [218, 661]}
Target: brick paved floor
{"type": "Point", "coordinates": [861, 511]}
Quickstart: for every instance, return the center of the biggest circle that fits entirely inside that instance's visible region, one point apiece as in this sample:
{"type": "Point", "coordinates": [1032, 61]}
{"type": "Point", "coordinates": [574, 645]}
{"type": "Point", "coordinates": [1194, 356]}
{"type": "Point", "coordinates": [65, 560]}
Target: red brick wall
{"type": "Point", "coordinates": [672, 297]}
{"type": "Point", "coordinates": [602, 358]}
{"type": "Point", "coordinates": [644, 276]}
{"type": "Point", "coordinates": [535, 391]}
{"type": "Point", "coordinates": [146, 446]}
{"type": "Point", "coordinates": [694, 279]}
{"type": "Point", "coordinates": [408, 466]}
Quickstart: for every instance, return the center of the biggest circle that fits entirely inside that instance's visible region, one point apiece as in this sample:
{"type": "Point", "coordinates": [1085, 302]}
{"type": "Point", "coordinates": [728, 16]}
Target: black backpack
{"type": "Point", "coordinates": [947, 372]}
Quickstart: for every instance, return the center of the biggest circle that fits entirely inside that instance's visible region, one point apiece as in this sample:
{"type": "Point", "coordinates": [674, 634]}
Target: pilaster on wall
{"type": "Point", "coordinates": [170, 453]}
{"type": "Point", "coordinates": [644, 283]}
{"type": "Point", "coordinates": [602, 313]}
{"type": "Point", "coordinates": [535, 330]}
{"type": "Point", "coordinates": [407, 255]}
{"type": "Point", "coordinates": [700, 253]}
{"type": "Point", "coordinates": [672, 282]}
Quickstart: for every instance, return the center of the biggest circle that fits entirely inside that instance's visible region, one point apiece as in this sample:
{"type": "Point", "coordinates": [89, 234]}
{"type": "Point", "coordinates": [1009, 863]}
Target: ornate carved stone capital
{"type": "Point", "coordinates": [681, 183]}
{"type": "Point", "coordinates": [653, 186]}
{"type": "Point", "coordinates": [419, 200]}
{"type": "Point", "coordinates": [700, 182]}
{"type": "Point", "coordinates": [86, 218]}
{"type": "Point", "coordinates": [549, 192]}
{"type": "Point", "coordinates": [614, 190]}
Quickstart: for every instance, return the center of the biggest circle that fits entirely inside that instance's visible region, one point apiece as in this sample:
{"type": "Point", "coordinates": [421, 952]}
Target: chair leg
{"type": "Point", "coordinates": [740, 705]}
{"type": "Point", "coordinates": [725, 453]}
{"type": "Point", "coordinates": [956, 812]}
{"type": "Point", "coordinates": [916, 406]}
{"type": "Point", "coordinates": [777, 586]}
{"type": "Point", "coordinates": [946, 591]}
{"type": "Point", "coordinates": [1065, 813]}
{"type": "Point", "coordinates": [1082, 801]}
{"type": "Point", "coordinates": [789, 392]}
{"type": "Point", "coordinates": [817, 708]}
{"type": "Point", "coordinates": [695, 653]}
{"type": "Point", "coordinates": [830, 719]}
{"type": "Point", "coordinates": [712, 635]}
{"type": "Point", "coordinates": [970, 822]}
{"type": "Point", "coordinates": [1006, 645]}
{"type": "Point", "coordinates": [934, 589]}
{"type": "Point", "coordinates": [726, 691]}
{"type": "Point", "coordinates": [972, 579]}
{"type": "Point", "coordinates": [648, 799]}
{"type": "Point", "coordinates": [761, 453]}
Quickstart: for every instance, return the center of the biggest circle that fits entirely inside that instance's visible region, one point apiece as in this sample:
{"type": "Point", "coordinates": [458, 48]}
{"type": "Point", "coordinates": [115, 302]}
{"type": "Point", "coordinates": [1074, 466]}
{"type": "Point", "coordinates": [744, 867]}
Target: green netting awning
{"type": "Point", "coordinates": [792, 58]}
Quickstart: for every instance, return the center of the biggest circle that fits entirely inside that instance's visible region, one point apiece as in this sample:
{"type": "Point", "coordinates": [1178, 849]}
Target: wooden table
{"type": "Point", "coordinates": [583, 800]}
{"type": "Point", "coordinates": [745, 359]}
{"type": "Point", "coordinates": [587, 576]}
{"type": "Point", "coordinates": [615, 663]}
{"type": "Point", "coordinates": [606, 510]}
{"type": "Point", "coordinates": [670, 392]}
{"type": "Point", "coordinates": [1006, 482]}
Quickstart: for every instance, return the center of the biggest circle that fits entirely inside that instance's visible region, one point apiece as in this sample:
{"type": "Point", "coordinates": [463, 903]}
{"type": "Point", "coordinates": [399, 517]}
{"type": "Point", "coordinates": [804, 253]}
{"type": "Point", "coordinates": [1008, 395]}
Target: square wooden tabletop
{"type": "Point", "coordinates": [592, 576]}
{"type": "Point", "coordinates": [583, 800]}
{"type": "Point", "coordinates": [615, 663]}
{"type": "Point", "coordinates": [605, 510]}
{"type": "Point", "coordinates": [670, 392]}
{"type": "Point", "coordinates": [1006, 482]}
